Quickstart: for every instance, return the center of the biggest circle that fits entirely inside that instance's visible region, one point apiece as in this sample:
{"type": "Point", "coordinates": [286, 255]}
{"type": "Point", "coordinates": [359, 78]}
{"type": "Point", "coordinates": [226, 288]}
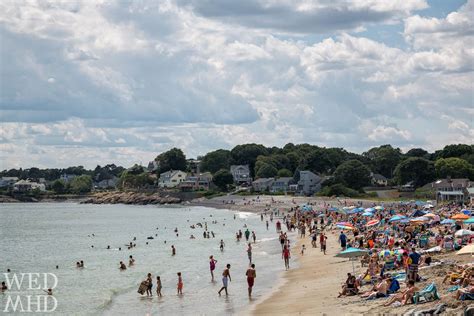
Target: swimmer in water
{"type": "Point", "coordinates": [122, 266]}
{"type": "Point", "coordinates": [131, 261]}
{"type": "Point", "coordinates": [173, 250]}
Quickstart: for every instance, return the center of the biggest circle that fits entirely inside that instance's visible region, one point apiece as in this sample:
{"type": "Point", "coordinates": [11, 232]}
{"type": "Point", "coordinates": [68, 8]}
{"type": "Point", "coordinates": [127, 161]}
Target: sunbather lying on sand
{"type": "Point", "coordinates": [403, 297]}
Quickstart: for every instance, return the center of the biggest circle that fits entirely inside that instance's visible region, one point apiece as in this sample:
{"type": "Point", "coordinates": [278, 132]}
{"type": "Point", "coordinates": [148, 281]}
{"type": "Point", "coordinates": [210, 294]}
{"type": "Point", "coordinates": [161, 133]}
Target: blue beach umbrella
{"type": "Point", "coordinates": [367, 214]}
{"type": "Point", "coordinates": [447, 221]}
{"type": "Point", "coordinates": [352, 253]}
{"type": "Point", "coordinates": [467, 212]}
{"type": "Point", "coordinates": [396, 218]}
{"type": "Point", "coordinates": [469, 221]}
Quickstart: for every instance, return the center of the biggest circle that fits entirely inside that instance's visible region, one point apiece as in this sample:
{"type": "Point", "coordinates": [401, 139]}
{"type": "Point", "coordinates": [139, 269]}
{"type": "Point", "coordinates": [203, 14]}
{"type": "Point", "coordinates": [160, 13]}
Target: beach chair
{"type": "Point", "coordinates": [423, 241]}
{"type": "Point", "coordinates": [428, 294]}
{"type": "Point", "coordinates": [467, 297]}
{"type": "Point", "coordinates": [389, 265]}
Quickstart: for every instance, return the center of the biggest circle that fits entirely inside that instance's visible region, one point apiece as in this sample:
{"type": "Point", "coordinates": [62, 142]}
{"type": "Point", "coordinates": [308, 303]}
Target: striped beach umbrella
{"type": "Point", "coordinates": [372, 223]}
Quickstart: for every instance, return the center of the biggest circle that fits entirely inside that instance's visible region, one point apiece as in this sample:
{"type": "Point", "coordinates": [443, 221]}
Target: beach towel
{"type": "Point", "coordinates": [467, 297]}
{"type": "Point", "coordinates": [453, 288]}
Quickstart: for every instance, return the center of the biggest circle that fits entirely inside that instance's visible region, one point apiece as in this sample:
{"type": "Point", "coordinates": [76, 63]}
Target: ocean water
{"type": "Point", "coordinates": [36, 237]}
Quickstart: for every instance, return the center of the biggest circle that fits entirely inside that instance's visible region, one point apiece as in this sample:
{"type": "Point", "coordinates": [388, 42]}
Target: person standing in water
{"type": "Point", "coordinates": [267, 225]}
{"type": "Point", "coordinates": [249, 253]}
{"type": "Point", "coordinates": [149, 280]}
{"type": "Point", "coordinates": [158, 286]}
{"type": "Point", "coordinates": [131, 261]}
{"type": "Point", "coordinates": [212, 266]}
{"type": "Point", "coordinates": [247, 234]}
{"type": "Point", "coordinates": [180, 284]}
{"type": "Point", "coordinates": [286, 257]}
{"type": "Point", "coordinates": [221, 245]}
{"type": "Point", "coordinates": [251, 275]}
{"type": "Point", "coordinates": [173, 250]}
{"type": "Point", "coordinates": [225, 279]}
{"type": "Point", "coordinates": [254, 237]}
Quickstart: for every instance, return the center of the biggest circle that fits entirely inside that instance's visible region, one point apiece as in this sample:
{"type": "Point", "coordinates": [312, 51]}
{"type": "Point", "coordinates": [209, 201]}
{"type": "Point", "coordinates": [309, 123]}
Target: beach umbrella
{"type": "Point", "coordinates": [429, 206]}
{"type": "Point", "coordinates": [400, 251]}
{"type": "Point", "coordinates": [460, 216]}
{"type": "Point", "coordinates": [321, 215]}
{"type": "Point", "coordinates": [447, 221]}
{"type": "Point", "coordinates": [466, 250]}
{"type": "Point", "coordinates": [352, 253]}
{"type": "Point", "coordinates": [404, 221]}
{"type": "Point", "coordinates": [467, 212]}
{"type": "Point", "coordinates": [430, 215]}
{"type": "Point", "coordinates": [343, 223]}
{"type": "Point", "coordinates": [379, 208]}
{"type": "Point", "coordinates": [372, 222]}
{"type": "Point", "coordinates": [367, 214]}
{"type": "Point", "coordinates": [419, 219]}
{"type": "Point", "coordinates": [463, 232]}
{"type": "Point", "coordinates": [469, 221]}
{"type": "Point", "coordinates": [370, 209]}
{"type": "Point", "coordinates": [396, 218]}
{"type": "Point", "coordinates": [346, 227]}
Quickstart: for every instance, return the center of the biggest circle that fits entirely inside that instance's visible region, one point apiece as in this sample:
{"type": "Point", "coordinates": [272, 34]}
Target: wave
{"type": "Point", "coordinates": [245, 214]}
{"type": "Point", "coordinates": [267, 239]}
{"type": "Point", "coordinates": [113, 293]}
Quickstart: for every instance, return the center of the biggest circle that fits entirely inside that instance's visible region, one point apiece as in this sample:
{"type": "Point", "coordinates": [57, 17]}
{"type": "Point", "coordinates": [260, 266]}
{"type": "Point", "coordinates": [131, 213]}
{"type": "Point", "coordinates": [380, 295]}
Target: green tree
{"type": "Point", "coordinates": [130, 180]}
{"type": "Point", "coordinates": [417, 152]}
{"type": "Point", "coordinates": [173, 159]}
{"type": "Point", "coordinates": [59, 186]}
{"type": "Point", "coordinates": [216, 160]}
{"type": "Point", "coordinates": [222, 179]}
{"type": "Point", "coordinates": [283, 173]}
{"type": "Point", "coordinates": [454, 168]}
{"type": "Point", "coordinates": [458, 150]}
{"type": "Point", "coordinates": [353, 174]}
{"type": "Point", "coordinates": [81, 184]}
{"type": "Point", "coordinates": [267, 171]}
{"type": "Point", "coordinates": [384, 159]}
{"type": "Point", "coordinates": [416, 169]}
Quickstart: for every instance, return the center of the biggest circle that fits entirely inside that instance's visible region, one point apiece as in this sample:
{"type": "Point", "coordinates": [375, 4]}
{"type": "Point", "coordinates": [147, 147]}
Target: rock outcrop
{"type": "Point", "coordinates": [130, 198]}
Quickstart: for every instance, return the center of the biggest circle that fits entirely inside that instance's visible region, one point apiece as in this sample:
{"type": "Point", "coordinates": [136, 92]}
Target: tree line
{"type": "Point", "coordinates": [342, 169]}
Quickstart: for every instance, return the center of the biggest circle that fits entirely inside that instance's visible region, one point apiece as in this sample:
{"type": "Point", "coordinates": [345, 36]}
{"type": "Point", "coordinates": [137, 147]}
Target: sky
{"type": "Point", "coordinates": [98, 82]}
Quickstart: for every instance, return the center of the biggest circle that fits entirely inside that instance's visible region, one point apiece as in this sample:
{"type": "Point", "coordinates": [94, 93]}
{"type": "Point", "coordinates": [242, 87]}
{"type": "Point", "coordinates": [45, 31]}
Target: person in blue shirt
{"type": "Point", "coordinates": [413, 266]}
{"type": "Point", "coordinates": [343, 240]}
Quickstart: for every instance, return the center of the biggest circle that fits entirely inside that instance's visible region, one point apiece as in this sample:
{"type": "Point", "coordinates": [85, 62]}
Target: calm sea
{"type": "Point", "coordinates": [37, 237]}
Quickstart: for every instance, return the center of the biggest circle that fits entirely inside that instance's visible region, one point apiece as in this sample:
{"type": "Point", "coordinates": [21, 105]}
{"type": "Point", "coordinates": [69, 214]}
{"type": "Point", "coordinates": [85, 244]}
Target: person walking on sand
{"type": "Point", "coordinates": [286, 257]}
{"type": "Point", "coordinates": [225, 279]}
{"type": "Point", "coordinates": [251, 275]}
{"type": "Point", "coordinates": [158, 286]}
{"type": "Point", "coordinates": [323, 244]}
{"type": "Point", "coordinates": [180, 284]}
{"type": "Point", "coordinates": [321, 240]}
{"type": "Point", "coordinates": [249, 253]}
{"type": "Point", "coordinates": [343, 240]}
{"type": "Point", "coordinates": [212, 266]}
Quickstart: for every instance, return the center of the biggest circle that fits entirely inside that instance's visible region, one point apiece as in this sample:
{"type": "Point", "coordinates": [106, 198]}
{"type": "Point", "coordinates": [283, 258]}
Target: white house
{"type": "Point", "coordinates": [171, 179]}
{"type": "Point", "coordinates": [241, 174]}
{"type": "Point", "coordinates": [309, 183]}
{"type": "Point", "coordinates": [27, 186]}
{"type": "Point", "coordinates": [378, 179]}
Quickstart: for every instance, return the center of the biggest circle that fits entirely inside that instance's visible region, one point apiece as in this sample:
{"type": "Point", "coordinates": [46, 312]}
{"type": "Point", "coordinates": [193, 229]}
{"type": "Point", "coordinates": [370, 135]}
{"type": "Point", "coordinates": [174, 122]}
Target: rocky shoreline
{"type": "Point", "coordinates": [130, 198]}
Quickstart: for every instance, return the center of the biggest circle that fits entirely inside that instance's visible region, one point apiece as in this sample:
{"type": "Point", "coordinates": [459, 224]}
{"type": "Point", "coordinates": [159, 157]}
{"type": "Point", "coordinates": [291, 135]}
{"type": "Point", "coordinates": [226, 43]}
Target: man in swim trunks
{"type": "Point", "coordinates": [251, 275]}
{"type": "Point", "coordinates": [225, 279]}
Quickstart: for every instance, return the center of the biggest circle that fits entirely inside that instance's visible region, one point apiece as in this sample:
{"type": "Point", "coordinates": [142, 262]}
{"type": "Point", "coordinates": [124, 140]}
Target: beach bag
{"type": "Point", "coordinates": [428, 294]}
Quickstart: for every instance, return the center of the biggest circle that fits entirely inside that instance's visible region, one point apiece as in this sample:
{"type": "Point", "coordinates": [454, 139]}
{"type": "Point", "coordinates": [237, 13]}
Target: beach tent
{"type": "Point", "coordinates": [352, 253]}
{"type": "Point", "coordinates": [460, 216]}
{"type": "Point", "coordinates": [466, 250]}
{"type": "Point", "coordinates": [418, 213]}
{"type": "Point", "coordinates": [469, 221]}
{"type": "Point", "coordinates": [463, 232]}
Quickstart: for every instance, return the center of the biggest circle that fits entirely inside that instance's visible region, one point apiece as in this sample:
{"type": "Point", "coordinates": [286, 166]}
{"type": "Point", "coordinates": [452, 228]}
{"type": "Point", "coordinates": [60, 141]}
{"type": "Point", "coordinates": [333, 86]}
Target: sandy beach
{"type": "Point", "coordinates": [312, 287]}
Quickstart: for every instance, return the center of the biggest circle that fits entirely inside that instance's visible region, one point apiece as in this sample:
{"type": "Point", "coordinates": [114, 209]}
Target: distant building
{"type": "Point", "coordinates": [450, 189]}
{"type": "Point", "coordinates": [23, 186]}
{"type": "Point", "coordinates": [470, 191]}
{"type": "Point", "coordinates": [309, 183]}
{"type": "Point", "coordinates": [282, 184]}
{"type": "Point", "coordinates": [198, 182]}
{"type": "Point", "coordinates": [7, 182]}
{"type": "Point", "coordinates": [171, 179]}
{"type": "Point", "coordinates": [378, 180]}
{"type": "Point", "coordinates": [194, 165]}
{"type": "Point", "coordinates": [241, 174]}
{"type": "Point", "coordinates": [106, 184]}
{"type": "Point", "coordinates": [262, 184]}
{"type": "Point", "coordinates": [153, 166]}
{"type": "Point", "coordinates": [66, 178]}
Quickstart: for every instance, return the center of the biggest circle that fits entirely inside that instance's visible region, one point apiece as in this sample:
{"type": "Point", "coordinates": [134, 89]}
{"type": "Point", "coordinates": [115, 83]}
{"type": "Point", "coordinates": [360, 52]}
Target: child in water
{"type": "Point", "coordinates": [158, 286]}
{"type": "Point", "coordinates": [180, 284]}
